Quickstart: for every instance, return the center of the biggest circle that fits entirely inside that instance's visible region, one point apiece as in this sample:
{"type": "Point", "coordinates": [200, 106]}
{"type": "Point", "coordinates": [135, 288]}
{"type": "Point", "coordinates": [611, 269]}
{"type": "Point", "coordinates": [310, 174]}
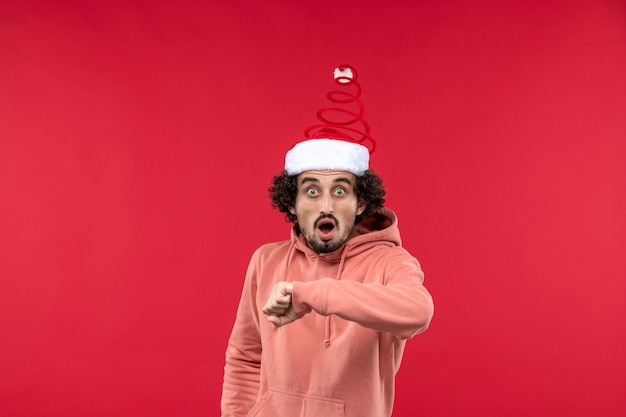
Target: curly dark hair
{"type": "Point", "coordinates": [369, 190]}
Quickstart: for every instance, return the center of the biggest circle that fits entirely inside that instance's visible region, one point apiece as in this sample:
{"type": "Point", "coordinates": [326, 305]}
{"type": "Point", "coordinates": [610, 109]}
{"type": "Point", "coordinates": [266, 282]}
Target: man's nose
{"type": "Point", "coordinates": [326, 205]}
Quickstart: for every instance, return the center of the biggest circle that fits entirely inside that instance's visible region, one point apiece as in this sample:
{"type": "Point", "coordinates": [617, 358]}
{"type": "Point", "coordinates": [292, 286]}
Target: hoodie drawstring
{"type": "Point", "coordinates": [344, 252]}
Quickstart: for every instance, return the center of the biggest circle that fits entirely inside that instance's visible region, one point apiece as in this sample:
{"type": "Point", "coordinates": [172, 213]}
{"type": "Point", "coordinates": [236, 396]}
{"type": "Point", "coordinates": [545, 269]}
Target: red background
{"type": "Point", "coordinates": [138, 139]}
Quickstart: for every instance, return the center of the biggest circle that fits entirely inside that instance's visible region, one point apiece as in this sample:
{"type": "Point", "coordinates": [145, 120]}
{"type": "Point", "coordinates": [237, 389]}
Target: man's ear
{"type": "Point", "coordinates": [361, 208]}
{"type": "Point", "coordinates": [292, 210]}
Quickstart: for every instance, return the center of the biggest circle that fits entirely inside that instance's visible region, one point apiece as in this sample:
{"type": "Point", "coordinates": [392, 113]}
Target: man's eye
{"type": "Point", "coordinates": [312, 192]}
{"type": "Point", "coordinates": [340, 192]}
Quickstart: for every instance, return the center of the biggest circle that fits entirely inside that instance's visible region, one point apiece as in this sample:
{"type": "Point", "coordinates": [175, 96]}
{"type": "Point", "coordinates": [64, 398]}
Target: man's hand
{"type": "Point", "coordinates": [279, 307]}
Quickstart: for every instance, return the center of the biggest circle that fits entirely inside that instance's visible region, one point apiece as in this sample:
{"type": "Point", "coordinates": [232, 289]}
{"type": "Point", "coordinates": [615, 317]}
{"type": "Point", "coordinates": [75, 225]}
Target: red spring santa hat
{"type": "Point", "coordinates": [335, 145]}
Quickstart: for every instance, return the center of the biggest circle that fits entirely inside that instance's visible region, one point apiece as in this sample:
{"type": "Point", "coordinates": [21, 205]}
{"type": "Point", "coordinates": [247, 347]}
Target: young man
{"type": "Point", "coordinates": [324, 317]}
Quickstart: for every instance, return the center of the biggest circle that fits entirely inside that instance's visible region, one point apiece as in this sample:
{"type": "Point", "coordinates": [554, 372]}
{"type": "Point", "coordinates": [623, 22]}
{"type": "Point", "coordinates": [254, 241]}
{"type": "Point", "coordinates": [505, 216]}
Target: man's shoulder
{"type": "Point", "coordinates": [387, 251]}
{"type": "Point", "coordinates": [281, 244]}
{"type": "Point", "coordinates": [272, 248]}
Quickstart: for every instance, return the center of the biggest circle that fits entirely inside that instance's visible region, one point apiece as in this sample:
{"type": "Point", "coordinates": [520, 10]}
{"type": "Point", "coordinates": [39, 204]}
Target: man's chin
{"type": "Point", "coordinates": [321, 246]}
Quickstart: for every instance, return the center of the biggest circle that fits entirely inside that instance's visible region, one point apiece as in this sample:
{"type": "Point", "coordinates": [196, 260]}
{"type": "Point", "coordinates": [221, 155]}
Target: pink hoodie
{"type": "Point", "coordinates": [361, 303]}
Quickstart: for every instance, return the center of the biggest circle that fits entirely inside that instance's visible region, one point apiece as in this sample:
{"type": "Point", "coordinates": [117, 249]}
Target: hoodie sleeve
{"type": "Point", "coordinates": [243, 355]}
{"type": "Point", "coordinates": [396, 302]}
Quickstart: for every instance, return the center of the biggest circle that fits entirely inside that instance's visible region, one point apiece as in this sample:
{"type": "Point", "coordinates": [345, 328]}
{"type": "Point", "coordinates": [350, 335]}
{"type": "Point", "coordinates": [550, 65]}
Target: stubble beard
{"type": "Point", "coordinates": [322, 246]}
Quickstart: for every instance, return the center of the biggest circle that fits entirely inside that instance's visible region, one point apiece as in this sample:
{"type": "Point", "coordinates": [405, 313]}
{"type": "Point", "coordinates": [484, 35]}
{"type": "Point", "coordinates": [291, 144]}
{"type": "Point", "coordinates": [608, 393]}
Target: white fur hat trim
{"type": "Point", "coordinates": [327, 155]}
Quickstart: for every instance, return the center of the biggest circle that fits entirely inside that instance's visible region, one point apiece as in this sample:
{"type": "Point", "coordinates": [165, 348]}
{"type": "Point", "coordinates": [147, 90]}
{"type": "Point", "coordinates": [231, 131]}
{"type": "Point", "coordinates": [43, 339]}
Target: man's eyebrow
{"type": "Point", "coordinates": [309, 179]}
{"type": "Point", "coordinates": [343, 179]}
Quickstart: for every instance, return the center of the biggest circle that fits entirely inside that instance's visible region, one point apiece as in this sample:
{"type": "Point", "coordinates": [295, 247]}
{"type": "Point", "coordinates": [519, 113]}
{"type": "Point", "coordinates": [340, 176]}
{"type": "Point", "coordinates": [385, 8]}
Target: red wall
{"type": "Point", "coordinates": [137, 141]}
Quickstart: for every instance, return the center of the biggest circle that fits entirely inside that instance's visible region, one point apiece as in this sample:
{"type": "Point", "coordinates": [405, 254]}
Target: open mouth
{"type": "Point", "coordinates": [326, 228]}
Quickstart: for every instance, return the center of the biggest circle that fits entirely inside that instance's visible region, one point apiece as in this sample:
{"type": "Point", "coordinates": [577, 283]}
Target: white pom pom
{"type": "Point", "coordinates": [345, 73]}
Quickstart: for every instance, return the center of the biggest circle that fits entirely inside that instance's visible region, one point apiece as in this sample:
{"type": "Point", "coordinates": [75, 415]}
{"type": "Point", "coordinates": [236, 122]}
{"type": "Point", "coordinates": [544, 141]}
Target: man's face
{"type": "Point", "coordinates": [326, 207]}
